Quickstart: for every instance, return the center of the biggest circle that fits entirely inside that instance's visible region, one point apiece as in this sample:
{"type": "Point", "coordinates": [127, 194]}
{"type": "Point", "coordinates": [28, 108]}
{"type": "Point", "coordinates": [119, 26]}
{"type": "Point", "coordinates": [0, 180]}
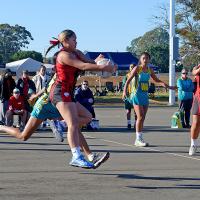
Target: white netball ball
{"type": "Point", "coordinates": [104, 61]}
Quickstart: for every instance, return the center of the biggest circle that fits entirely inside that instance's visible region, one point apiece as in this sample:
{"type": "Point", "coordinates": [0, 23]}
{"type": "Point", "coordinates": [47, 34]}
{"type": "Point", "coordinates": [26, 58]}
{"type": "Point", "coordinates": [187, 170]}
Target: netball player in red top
{"type": "Point", "coordinates": [69, 63]}
{"type": "Point", "coordinates": [195, 129]}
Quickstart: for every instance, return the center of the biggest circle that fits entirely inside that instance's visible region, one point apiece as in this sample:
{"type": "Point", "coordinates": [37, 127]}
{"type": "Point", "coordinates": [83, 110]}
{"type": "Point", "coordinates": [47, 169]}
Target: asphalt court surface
{"type": "Point", "coordinates": [38, 168]}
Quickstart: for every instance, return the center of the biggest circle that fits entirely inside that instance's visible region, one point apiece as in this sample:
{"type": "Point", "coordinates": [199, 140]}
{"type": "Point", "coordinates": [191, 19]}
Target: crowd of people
{"type": "Point", "coordinates": [15, 96]}
{"type": "Point", "coordinates": [56, 99]}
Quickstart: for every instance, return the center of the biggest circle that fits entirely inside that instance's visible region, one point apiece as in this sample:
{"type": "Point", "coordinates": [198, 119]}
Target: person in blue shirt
{"type": "Point", "coordinates": [185, 96]}
{"type": "Point", "coordinates": [85, 97]}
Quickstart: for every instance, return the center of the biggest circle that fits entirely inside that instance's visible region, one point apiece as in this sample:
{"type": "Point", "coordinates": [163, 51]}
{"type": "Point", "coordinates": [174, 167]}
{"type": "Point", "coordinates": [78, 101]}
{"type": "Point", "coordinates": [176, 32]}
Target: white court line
{"type": "Point", "coordinates": [157, 150]}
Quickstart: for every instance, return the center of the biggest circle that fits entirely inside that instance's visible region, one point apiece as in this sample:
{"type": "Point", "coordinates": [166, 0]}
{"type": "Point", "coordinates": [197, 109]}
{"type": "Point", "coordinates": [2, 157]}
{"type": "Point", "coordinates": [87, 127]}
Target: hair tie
{"type": "Point", "coordinates": [55, 41]}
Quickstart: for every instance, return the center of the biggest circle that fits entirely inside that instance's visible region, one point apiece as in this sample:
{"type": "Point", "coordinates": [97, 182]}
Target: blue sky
{"type": "Point", "coordinates": [106, 25]}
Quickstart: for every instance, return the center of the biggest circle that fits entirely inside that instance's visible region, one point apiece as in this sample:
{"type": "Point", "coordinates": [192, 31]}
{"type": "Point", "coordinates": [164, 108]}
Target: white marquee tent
{"type": "Point", "coordinates": [48, 67]}
{"type": "Point", "coordinates": [26, 64]}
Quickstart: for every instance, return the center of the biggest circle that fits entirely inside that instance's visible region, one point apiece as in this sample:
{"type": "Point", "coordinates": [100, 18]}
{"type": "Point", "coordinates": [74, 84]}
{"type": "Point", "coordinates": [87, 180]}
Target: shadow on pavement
{"type": "Point", "coordinates": [152, 178]}
{"type": "Point", "coordinates": [159, 178]}
{"type": "Point", "coordinates": [32, 149]}
{"type": "Point", "coordinates": [194, 187]}
{"type": "Point", "coordinates": [123, 129]}
{"type": "Point", "coordinates": [34, 143]}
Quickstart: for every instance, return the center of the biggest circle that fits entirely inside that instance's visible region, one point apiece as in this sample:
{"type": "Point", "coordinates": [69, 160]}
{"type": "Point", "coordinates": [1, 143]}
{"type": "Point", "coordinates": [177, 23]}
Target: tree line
{"type": "Point", "coordinates": [15, 38]}
{"type": "Point", "coordinates": [156, 41]}
{"type": "Point", "coordinates": [12, 40]}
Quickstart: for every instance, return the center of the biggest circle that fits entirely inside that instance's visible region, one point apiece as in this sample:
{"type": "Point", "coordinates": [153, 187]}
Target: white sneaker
{"type": "Point", "coordinates": [56, 129]}
{"type": "Point", "coordinates": [141, 143]}
{"type": "Point", "coordinates": [192, 150]}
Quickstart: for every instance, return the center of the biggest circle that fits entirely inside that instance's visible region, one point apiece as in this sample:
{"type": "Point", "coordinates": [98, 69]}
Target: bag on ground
{"type": "Point", "coordinates": [176, 119]}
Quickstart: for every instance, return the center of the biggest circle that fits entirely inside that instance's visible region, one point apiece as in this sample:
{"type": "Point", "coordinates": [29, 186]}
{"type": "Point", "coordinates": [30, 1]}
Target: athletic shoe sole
{"type": "Point", "coordinates": [74, 164]}
{"type": "Point", "coordinates": [84, 167]}
{"type": "Point", "coordinates": [102, 160]}
{"type": "Point", "coordinates": [139, 145]}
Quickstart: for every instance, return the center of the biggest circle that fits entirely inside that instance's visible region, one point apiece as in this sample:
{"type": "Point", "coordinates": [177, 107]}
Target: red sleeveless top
{"type": "Point", "coordinates": [67, 75]}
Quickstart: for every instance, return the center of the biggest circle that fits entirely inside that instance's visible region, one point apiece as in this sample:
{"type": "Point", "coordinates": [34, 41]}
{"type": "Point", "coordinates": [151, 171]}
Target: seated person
{"type": "Point", "coordinates": [16, 107]}
{"type": "Point", "coordinates": [85, 97]}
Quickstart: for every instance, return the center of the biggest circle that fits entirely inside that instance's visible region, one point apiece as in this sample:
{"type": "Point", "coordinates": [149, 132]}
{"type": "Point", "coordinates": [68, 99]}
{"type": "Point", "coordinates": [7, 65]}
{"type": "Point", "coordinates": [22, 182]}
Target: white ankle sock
{"type": "Point", "coordinates": [194, 142]}
{"type": "Point", "coordinates": [76, 152]}
{"type": "Point", "coordinates": [138, 135]}
{"type": "Point", "coordinates": [90, 157]}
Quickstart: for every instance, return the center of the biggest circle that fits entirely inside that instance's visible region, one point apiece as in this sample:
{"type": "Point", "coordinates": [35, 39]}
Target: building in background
{"type": "Point", "coordinates": [122, 59]}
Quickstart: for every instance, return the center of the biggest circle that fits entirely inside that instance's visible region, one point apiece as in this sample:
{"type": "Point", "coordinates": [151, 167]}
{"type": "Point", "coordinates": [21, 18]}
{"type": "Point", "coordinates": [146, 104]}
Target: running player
{"type": "Point", "coordinates": [68, 66]}
{"type": "Point", "coordinates": [140, 76]}
{"type": "Point", "coordinates": [127, 104]}
{"type": "Point", "coordinates": [194, 133]}
{"type": "Point", "coordinates": [42, 110]}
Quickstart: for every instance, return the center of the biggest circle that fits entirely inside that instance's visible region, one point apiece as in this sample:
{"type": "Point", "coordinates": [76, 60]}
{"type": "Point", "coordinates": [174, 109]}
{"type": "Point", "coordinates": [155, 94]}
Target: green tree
{"type": "Point", "coordinates": [156, 42]}
{"type": "Point", "coordinates": [12, 39]}
{"type": "Point", "coordinates": [188, 23]}
{"type": "Point", "coordinates": [160, 56]}
{"type": "Point", "coordinates": [26, 54]}
{"type": "Point", "coordinates": [187, 28]}
{"type": "Point", "coordinates": [189, 58]}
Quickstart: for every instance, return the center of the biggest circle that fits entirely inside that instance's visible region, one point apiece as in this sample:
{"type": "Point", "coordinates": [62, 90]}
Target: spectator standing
{"type": "Point", "coordinates": [185, 96]}
{"type": "Point", "coordinates": [7, 84]}
{"type": "Point", "coordinates": [25, 84]}
{"type": "Point", "coordinates": [40, 79]}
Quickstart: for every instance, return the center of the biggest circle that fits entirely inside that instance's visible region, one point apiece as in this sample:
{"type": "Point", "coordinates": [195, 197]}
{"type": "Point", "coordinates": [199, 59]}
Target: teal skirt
{"type": "Point", "coordinates": [140, 98]}
{"type": "Point", "coordinates": [45, 110]}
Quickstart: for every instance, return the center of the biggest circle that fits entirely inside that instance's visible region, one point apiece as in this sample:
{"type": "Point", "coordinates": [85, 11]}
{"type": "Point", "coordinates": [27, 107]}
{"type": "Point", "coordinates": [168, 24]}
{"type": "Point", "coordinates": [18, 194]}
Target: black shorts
{"type": "Point", "coordinates": [128, 105]}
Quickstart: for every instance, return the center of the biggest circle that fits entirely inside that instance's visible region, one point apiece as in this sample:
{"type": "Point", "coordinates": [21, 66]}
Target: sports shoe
{"type": "Point", "coordinates": [192, 150]}
{"type": "Point", "coordinates": [81, 162]}
{"type": "Point", "coordinates": [54, 125]}
{"type": "Point", "coordinates": [99, 159]}
{"type": "Point", "coordinates": [89, 127]}
{"type": "Point", "coordinates": [2, 123]}
{"type": "Point", "coordinates": [188, 126]}
{"type": "Point", "coordinates": [129, 126]}
{"type": "Point", "coordinates": [141, 143]}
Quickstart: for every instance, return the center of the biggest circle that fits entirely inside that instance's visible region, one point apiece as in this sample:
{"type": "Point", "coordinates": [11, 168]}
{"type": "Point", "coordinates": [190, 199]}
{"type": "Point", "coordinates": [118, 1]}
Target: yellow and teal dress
{"type": "Point", "coordinates": [127, 103]}
{"type": "Point", "coordinates": [43, 108]}
{"type": "Point", "coordinates": [140, 87]}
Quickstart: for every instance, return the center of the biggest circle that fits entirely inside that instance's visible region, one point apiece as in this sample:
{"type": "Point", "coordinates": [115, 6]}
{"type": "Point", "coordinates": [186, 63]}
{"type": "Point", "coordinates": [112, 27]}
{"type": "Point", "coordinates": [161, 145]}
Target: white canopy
{"type": "Point", "coordinates": [48, 67]}
{"type": "Point", "coordinates": [25, 64]}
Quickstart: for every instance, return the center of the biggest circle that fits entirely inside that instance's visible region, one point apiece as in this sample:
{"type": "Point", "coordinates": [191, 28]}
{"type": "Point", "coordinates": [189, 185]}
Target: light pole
{"type": "Point", "coordinates": [172, 62]}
